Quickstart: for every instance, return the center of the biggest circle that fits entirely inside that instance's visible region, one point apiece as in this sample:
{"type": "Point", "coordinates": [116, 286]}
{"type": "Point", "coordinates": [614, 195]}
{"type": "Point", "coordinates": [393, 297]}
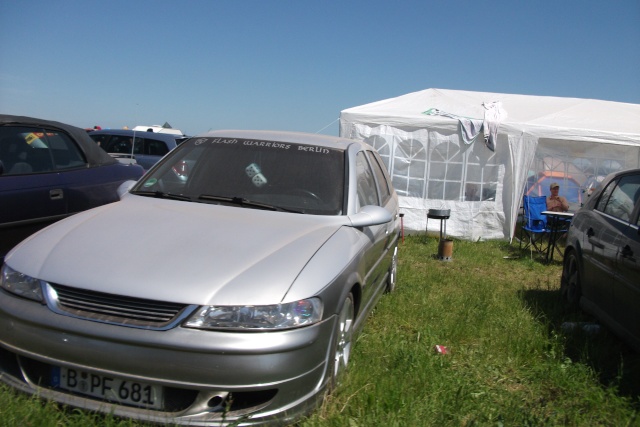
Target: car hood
{"type": "Point", "coordinates": [177, 251]}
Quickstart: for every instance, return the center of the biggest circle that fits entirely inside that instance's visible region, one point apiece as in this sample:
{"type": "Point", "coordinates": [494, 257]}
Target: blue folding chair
{"type": "Point", "coordinates": [534, 232]}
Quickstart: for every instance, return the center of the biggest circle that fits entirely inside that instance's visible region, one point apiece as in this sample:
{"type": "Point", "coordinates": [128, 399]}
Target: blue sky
{"type": "Point", "coordinates": [295, 64]}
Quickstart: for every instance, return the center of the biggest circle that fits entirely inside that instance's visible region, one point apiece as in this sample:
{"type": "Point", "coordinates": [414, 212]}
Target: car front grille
{"type": "Point", "coordinates": [116, 309]}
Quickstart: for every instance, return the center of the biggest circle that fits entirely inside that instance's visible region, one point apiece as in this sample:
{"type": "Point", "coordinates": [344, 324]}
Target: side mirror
{"type": "Point", "coordinates": [370, 215]}
{"type": "Point", "coordinates": [124, 188]}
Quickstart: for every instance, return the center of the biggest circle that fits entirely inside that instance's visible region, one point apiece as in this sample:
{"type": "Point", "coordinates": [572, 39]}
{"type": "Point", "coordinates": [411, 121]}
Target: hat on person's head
{"type": "Point", "coordinates": [554, 185]}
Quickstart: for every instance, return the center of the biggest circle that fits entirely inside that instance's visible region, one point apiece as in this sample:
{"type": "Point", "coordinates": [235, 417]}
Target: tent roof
{"type": "Point", "coordinates": [546, 116]}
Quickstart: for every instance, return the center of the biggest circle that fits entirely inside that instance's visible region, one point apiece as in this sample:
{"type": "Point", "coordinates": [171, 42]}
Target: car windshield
{"type": "Point", "coordinates": [252, 174]}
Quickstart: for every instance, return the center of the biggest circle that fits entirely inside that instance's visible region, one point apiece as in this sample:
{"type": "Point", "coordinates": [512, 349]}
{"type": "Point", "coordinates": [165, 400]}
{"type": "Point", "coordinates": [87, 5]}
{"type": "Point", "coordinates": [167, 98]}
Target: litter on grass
{"type": "Point", "coordinates": [440, 349]}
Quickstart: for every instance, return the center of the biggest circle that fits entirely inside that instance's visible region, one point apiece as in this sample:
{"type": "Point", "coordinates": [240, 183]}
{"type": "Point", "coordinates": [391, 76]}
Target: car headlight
{"type": "Point", "coordinates": [21, 284]}
{"type": "Point", "coordinates": [259, 317]}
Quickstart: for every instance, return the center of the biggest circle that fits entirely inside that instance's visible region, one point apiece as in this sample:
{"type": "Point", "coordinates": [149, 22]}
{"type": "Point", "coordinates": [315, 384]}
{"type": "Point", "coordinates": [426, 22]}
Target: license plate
{"type": "Point", "coordinates": [111, 389]}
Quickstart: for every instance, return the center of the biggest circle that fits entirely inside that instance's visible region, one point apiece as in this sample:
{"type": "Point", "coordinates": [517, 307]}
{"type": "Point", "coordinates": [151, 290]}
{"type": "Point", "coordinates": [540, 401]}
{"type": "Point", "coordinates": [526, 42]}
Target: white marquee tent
{"type": "Point", "coordinates": [477, 153]}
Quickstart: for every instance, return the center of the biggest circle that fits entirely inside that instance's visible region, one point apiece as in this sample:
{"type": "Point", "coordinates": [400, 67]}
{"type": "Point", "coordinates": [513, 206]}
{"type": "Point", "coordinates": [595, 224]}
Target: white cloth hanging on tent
{"type": "Point", "coordinates": [471, 128]}
{"type": "Point", "coordinates": [493, 115]}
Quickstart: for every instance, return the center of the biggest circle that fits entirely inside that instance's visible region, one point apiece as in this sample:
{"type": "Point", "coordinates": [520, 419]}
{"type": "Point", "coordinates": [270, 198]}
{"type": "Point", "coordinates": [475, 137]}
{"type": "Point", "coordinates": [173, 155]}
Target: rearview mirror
{"type": "Point", "coordinates": [125, 187]}
{"type": "Point", "coordinates": [370, 215]}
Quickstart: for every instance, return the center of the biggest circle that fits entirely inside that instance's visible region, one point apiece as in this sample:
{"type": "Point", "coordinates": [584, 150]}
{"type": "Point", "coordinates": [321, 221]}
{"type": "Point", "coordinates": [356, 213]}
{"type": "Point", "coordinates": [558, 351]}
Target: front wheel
{"type": "Point", "coordinates": [570, 287]}
{"type": "Point", "coordinates": [342, 340]}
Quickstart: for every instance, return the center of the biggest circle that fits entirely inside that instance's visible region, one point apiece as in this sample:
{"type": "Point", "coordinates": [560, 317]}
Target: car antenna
{"type": "Point", "coordinates": [133, 144]}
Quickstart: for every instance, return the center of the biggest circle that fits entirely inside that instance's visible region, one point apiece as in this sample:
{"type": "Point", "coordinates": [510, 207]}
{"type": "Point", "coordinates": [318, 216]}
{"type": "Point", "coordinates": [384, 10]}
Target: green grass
{"type": "Point", "coordinates": [509, 364]}
{"type": "Point", "coordinates": [498, 312]}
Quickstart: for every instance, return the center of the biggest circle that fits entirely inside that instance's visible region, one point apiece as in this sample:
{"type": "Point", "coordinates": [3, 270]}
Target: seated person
{"type": "Point", "coordinates": [555, 202]}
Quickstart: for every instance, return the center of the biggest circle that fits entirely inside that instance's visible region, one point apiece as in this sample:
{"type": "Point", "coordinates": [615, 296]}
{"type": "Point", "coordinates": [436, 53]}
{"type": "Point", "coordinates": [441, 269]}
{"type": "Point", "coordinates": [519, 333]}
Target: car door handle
{"type": "Point", "coordinates": [626, 252]}
{"type": "Point", "coordinates": [594, 242]}
{"type": "Point", "coordinates": [56, 194]}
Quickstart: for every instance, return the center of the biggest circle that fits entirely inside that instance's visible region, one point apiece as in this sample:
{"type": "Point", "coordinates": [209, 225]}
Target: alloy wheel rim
{"type": "Point", "coordinates": [572, 280]}
{"type": "Point", "coordinates": [343, 346]}
{"type": "Point", "coordinates": [394, 268]}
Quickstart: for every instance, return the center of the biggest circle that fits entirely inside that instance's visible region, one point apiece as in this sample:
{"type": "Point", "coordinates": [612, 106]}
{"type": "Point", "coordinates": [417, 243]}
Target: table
{"type": "Point", "coordinates": [556, 223]}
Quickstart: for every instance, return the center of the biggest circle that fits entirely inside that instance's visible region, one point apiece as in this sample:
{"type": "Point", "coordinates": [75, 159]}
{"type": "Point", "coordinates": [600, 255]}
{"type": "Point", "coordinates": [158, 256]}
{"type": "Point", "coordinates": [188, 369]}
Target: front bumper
{"type": "Point", "coordinates": [209, 377]}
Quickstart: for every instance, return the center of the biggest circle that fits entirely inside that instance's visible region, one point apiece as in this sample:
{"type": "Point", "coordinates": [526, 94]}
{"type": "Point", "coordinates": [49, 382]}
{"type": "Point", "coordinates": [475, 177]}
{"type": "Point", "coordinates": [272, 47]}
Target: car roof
{"type": "Point", "coordinates": [288, 136]}
{"type": "Point", "coordinates": [94, 154]}
{"type": "Point", "coordinates": [142, 134]}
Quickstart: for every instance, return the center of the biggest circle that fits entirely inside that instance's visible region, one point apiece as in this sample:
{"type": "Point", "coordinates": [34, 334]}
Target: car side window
{"type": "Point", "coordinates": [624, 197]}
{"type": "Point", "coordinates": [66, 154]}
{"type": "Point", "coordinates": [119, 144]}
{"type": "Point", "coordinates": [101, 140]}
{"type": "Point", "coordinates": [383, 185]}
{"type": "Point", "coordinates": [604, 196]}
{"type": "Point", "coordinates": [25, 150]}
{"type": "Point", "coordinates": [367, 191]}
{"type": "Point", "coordinates": [155, 148]}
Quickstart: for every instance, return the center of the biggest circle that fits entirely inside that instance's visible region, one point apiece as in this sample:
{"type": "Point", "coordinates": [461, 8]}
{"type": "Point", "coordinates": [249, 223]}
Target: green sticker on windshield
{"type": "Point", "coordinates": [150, 182]}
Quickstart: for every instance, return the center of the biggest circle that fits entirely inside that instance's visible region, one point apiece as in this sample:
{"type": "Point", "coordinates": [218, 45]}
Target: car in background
{"type": "Point", "coordinates": [286, 242]}
{"type": "Point", "coordinates": [50, 170]}
{"type": "Point", "coordinates": [149, 147]}
{"type": "Point", "coordinates": [601, 268]}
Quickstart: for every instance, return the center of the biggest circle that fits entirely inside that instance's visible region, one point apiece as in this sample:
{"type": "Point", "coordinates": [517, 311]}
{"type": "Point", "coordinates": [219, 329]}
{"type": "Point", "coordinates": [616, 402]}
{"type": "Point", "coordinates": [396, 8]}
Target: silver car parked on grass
{"type": "Point", "coordinates": [239, 270]}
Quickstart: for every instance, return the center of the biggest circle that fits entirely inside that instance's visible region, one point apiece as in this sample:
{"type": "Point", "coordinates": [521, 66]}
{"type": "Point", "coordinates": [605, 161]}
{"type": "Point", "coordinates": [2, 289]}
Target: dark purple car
{"type": "Point", "coordinates": [50, 170]}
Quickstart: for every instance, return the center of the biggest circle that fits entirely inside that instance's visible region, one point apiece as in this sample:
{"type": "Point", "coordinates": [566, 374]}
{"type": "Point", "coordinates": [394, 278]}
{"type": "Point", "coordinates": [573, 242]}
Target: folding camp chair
{"type": "Point", "coordinates": [534, 232]}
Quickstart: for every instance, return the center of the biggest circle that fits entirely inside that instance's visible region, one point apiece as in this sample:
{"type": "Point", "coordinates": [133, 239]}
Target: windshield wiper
{"type": "Point", "coordinates": [162, 195]}
{"type": "Point", "coordinates": [241, 201]}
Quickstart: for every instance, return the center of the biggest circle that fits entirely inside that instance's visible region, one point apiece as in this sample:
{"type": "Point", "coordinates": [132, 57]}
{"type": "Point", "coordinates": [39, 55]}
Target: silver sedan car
{"type": "Point", "coordinates": [225, 287]}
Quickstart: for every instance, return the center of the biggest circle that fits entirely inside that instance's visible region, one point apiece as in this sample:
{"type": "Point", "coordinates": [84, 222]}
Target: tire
{"type": "Point", "coordinates": [342, 341]}
{"type": "Point", "coordinates": [392, 277]}
{"type": "Point", "coordinates": [570, 286]}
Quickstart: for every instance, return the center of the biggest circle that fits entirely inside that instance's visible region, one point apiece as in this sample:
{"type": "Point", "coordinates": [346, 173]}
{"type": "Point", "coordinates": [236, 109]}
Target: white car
{"type": "Point", "coordinates": [238, 289]}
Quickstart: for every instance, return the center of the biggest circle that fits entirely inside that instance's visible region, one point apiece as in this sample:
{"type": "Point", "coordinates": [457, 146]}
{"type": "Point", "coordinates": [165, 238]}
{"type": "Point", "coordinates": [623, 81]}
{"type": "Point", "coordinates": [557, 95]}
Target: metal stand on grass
{"type": "Point", "coordinates": [445, 246]}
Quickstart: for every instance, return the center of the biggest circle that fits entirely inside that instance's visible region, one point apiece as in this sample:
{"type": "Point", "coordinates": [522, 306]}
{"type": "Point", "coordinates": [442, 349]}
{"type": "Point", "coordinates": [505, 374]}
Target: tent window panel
{"type": "Point", "coordinates": [489, 192]}
{"type": "Point", "coordinates": [454, 172]}
{"type": "Point", "coordinates": [490, 173]}
{"type": "Point", "coordinates": [417, 170]}
{"type": "Point", "coordinates": [472, 191]}
{"type": "Point", "coordinates": [410, 160]}
{"type": "Point", "coordinates": [440, 152]}
{"type": "Point", "coordinates": [474, 173]}
{"type": "Point", "coordinates": [401, 185]}
{"type": "Point", "coordinates": [416, 187]}
{"type": "Point", "coordinates": [452, 190]}
{"type": "Point", "coordinates": [447, 151]}
{"type": "Point", "coordinates": [455, 154]}
{"type": "Point", "coordinates": [411, 149]}
{"type": "Point", "coordinates": [444, 190]}
{"type": "Point", "coordinates": [437, 171]}
{"type": "Point", "coordinates": [436, 190]}
{"type": "Point", "coordinates": [379, 143]}
{"type": "Point", "coordinates": [401, 167]}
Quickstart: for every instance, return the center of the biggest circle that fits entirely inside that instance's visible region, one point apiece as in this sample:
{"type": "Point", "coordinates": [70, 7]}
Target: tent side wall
{"type": "Point", "coordinates": [432, 168]}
